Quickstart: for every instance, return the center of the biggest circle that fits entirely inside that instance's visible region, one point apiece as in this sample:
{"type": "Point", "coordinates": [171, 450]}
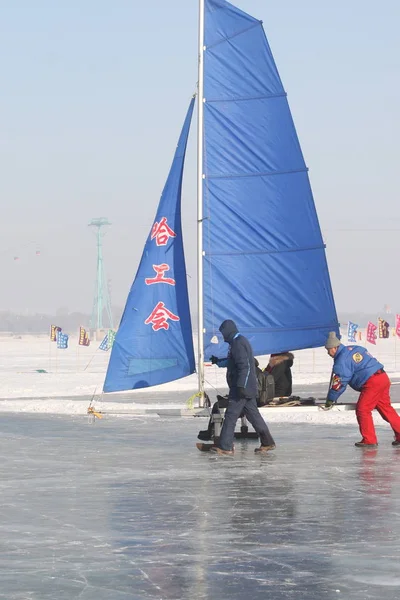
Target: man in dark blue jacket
{"type": "Point", "coordinates": [243, 388]}
{"type": "Point", "coordinates": [356, 367]}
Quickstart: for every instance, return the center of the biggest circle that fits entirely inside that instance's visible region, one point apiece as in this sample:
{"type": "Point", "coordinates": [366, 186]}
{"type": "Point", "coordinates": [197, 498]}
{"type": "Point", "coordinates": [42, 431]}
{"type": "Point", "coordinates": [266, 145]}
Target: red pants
{"type": "Point", "coordinates": [375, 394]}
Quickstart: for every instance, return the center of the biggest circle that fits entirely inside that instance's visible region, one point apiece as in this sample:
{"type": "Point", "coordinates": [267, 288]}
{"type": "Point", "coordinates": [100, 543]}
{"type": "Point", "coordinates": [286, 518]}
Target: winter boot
{"type": "Point", "coordinates": [364, 445]}
{"type": "Point", "coordinates": [264, 449]}
{"type": "Point", "coordinates": [396, 443]}
{"type": "Point", "coordinates": [216, 450]}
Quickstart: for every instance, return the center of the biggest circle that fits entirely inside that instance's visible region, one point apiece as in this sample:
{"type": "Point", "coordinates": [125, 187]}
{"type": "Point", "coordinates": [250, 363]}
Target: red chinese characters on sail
{"type": "Point", "coordinates": [162, 232]}
{"type": "Point", "coordinates": [160, 316]}
{"type": "Point", "coordinates": [160, 277]}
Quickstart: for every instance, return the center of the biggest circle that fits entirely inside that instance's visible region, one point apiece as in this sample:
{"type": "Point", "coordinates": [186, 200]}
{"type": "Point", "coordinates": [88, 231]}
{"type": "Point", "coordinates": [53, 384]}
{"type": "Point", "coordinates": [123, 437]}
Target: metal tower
{"type": "Point", "coordinates": [101, 295]}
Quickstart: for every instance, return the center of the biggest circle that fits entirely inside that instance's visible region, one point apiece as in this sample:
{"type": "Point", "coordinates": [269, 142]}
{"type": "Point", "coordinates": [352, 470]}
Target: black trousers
{"type": "Point", "coordinates": [247, 406]}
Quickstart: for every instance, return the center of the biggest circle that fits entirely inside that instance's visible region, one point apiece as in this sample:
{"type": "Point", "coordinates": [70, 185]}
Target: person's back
{"type": "Point", "coordinates": [279, 367]}
{"type": "Point", "coordinates": [353, 365]}
{"type": "Point", "coordinates": [241, 369]}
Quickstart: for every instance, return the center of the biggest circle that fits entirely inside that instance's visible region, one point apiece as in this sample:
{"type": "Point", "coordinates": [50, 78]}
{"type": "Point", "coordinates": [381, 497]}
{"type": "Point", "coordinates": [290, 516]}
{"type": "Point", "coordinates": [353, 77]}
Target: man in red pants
{"type": "Point", "coordinates": [356, 367]}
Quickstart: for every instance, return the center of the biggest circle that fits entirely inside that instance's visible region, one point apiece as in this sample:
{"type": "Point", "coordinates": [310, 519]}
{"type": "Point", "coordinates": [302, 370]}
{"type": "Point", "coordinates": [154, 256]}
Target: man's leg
{"type": "Point", "coordinates": [254, 416]}
{"type": "Point", "coordinates": [232, 413]}
{"type": "Point", "coordinates": [367, 401]}
{"type": "Point", "coordinates": [384, 406]}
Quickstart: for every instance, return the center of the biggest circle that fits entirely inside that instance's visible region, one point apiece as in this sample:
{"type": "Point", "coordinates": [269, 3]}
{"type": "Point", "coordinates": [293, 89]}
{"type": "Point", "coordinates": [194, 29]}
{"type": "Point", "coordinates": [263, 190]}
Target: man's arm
{"type": "Point", "coordinates": [220, 362]}
{"type": "Point", "coordinates": [341, 376]}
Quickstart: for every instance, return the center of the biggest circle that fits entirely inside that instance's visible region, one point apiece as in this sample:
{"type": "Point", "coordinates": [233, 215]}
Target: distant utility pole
{"type": "Point", "coordinates": [101, 294]}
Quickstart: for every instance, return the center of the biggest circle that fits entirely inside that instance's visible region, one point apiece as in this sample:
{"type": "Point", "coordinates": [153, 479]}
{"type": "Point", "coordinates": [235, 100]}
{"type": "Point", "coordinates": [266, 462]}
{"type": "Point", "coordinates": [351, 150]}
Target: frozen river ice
{"type": "Point", "coordinates": [129, 509]}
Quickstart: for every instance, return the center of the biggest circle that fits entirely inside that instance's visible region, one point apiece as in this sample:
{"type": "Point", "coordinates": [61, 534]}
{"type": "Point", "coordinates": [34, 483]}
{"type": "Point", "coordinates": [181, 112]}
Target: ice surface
{"type": "Point", "coordinates": [129, 509]}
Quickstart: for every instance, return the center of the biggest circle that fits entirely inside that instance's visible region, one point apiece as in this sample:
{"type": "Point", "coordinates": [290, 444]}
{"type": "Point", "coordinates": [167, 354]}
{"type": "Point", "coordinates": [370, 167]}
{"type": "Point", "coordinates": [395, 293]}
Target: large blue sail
{"type": "Point", "coordinates": [264, 257]}
{"type": "Point", "coordinates": [154, 341]}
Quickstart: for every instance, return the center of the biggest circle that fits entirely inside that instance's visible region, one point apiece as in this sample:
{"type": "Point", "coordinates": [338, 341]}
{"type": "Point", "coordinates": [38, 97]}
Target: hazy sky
{"type": "Point", "coordinates": [94, 93]}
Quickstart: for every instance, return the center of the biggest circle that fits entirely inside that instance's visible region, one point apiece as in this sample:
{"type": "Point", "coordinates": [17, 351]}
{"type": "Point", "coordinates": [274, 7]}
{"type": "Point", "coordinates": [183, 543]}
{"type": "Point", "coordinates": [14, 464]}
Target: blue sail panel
{"type": "Point", "coordinates": [154, 342]}
{"type": "Point", "coordinates": [264, 257]}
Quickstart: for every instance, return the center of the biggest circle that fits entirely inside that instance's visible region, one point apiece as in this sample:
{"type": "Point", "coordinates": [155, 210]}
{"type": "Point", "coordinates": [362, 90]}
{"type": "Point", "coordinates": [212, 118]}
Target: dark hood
{"type": "Point", "coordinates": [229, 330]}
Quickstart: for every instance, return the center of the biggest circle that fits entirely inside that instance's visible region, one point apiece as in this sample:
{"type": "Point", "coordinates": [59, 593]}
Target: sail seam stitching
{"type": "Point", "coordinates": [226, 39]}
{"type": "Point", "coordinates": [280, 251]}
{"type": "Point", "coordinates": [281, 329]}
{"type": "Point", "coordinates": [266, 97]}
{"type": "Point", "coordinates": [264, 174]}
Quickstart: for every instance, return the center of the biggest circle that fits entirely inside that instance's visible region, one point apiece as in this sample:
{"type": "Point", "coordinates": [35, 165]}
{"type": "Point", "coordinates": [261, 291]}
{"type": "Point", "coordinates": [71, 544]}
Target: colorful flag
{"type": "Point", "coordinates": [371, 335]}
{"type": "Point", "coordinates": [383, 328]}
{"type": "Point", "coordinates": [398, 325]}
{"type": "Point", "coordinates": [104, 344]}
{"type": "Point", "coordinates": [111, 337]}
{"type": "Point", "coordinates": [351, 332]}
{"type": "Point", "coordinates": [84, 339]}
{"type": "Point", "coordinates": [53, 332]}
{"type": "Point", "coordinates": [62, 340]}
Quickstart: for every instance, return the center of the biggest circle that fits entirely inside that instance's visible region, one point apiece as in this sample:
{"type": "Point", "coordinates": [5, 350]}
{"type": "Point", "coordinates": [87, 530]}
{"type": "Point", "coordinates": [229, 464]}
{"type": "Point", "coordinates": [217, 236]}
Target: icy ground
{"type": "Point", "coordinates": [129, 509]}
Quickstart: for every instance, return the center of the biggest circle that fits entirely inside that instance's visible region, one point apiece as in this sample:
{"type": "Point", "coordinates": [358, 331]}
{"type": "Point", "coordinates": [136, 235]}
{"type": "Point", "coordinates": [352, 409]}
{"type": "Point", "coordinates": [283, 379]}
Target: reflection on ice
{"type": "Point", "coordinates": [130, 509]}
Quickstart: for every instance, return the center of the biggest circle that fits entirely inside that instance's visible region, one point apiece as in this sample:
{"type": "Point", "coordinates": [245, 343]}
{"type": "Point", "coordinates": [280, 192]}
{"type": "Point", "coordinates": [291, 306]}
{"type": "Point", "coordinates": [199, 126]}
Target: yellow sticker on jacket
{"type": "Point", "coordinates": [357, 357]}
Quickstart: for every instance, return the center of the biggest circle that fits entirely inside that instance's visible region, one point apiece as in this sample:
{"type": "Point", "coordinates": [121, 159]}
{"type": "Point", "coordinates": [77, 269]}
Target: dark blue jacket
{"type": "Point", "coordinates": [241, 369]}
{"type": "Point", "coordinates": [353, 366]}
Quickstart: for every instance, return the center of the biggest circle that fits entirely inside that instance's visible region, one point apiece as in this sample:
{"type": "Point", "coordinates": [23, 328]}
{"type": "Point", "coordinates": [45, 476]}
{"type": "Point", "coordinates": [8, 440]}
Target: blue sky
{"type": "Point", "coordinates": [93, 98]}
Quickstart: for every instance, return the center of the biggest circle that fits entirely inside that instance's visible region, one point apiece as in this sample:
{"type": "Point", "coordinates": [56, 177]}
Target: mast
{"type": "Point", "coordinates": [200, 121]}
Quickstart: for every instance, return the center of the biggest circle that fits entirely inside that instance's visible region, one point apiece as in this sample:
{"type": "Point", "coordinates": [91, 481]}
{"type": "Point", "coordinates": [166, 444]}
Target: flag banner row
{"type": "Point", "coordinates": [57, 335]}
{"type": "Point", "coordinates": [383, 329]}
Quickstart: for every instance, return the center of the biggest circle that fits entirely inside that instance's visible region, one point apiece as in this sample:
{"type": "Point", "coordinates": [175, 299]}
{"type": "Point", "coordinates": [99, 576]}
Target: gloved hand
{"type": "Point", "coordinates": [328, 405]}
{"type": "Point", "coordinates": [214, 360]}
{"type": "Point", "coordinates": [241, 393]}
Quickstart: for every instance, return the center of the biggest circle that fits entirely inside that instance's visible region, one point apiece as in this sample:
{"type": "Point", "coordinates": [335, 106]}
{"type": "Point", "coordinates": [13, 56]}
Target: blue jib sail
{"type": "Point", "coordinates": [264, 257]}
{"type": "Point", "coordinates": [154, 341]}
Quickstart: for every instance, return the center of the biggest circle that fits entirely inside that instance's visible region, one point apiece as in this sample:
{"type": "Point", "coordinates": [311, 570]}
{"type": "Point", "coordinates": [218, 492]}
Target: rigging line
{"type": "Point", "coordinates": [16, 248]}
{"type": "Point", "coordinates": [361, 230]}
{"type": "Point", "coordinates": [213, 386]}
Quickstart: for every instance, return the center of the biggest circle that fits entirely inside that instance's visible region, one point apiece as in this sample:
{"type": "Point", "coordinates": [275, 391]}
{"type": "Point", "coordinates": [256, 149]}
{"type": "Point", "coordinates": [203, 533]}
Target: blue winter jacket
{"type": "Point", "coordinates": [241, 368]}
{"type": "Point", "coordinates": [352, 366]}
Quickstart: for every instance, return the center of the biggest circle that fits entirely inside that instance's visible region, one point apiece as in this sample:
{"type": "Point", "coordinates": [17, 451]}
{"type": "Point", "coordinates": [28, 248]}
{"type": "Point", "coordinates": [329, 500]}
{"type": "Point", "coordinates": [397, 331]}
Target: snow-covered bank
{"type": "Point", "coordinates": [35, 377]}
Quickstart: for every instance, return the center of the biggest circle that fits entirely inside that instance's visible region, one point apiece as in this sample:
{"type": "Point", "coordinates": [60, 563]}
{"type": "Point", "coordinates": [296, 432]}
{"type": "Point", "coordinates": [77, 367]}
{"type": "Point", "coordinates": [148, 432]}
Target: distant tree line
{"type": "Point", "coordinates": [71, 321]}
{"type": "Point", "coordinates": [40, 323]}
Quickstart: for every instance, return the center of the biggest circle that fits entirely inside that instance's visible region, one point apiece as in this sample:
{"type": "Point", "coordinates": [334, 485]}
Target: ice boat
{"type": "Point", "coordinates": [261, 256]}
